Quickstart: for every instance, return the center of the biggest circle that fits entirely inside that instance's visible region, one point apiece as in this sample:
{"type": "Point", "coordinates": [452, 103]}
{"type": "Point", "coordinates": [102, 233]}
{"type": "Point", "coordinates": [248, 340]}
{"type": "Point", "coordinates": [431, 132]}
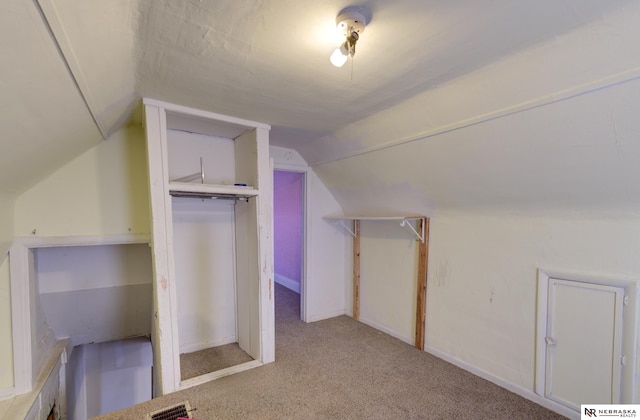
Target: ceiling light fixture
{"type": "Point", "coordinates": [350, 24]}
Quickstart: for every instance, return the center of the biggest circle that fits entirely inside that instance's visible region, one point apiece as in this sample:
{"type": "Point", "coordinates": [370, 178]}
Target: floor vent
{"type": "Point", "coordinates": [171, 413]}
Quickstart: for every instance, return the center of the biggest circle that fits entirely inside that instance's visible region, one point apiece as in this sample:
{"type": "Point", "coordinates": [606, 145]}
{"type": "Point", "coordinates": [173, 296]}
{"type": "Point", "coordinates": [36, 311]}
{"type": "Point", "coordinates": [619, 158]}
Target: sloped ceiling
{"type": "Point", "coordinates": [424, 72]}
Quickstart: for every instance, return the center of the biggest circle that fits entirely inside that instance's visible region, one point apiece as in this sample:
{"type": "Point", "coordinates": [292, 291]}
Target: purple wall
{"type": "Point", "coordinates": [288, 223]}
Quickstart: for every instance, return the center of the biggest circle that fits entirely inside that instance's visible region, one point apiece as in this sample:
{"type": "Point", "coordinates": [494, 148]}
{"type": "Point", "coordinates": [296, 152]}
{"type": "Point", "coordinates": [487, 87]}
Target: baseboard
{"type": "Point", "coordinates": [327, 315]}
{"type": "Point", "coordinates": [387, 330]}
{"type": "Point", "coordinates": [7, 393]}
{"type": "Point", "coordinates": [287, 282]}
{"type": "Point", "coordinates": [199, 380]}
{"type": "Point", "coordinates": [207, 344]}
{"type": "Point", "coordinates": [516, 389]}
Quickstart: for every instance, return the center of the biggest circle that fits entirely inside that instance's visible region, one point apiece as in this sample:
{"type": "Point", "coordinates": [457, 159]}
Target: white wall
{"type": "Point", "coordinates": [102, 192]}
{"type": "Point", "coordinates": [327, 255]}
{"type": "Point", "coordinates": [203, 237]}
{"type": "Point", "coordinates": [528, 162]}
{"type": "Point", "coordinates": [185, 149]}
{"type": "Point", "coordinates": [95, 293]}
{"type": "Point", "coordinates": [388, 278]}
{"type": "Point", "coordinates": [482, 278]}
{"type": "Point", "coordinates": [105, 377]}
{"type": "Point", "coordinates": [327, 260]}
{"type": "Point", "coordinates": [481, 302]}
{"type": "Point", "coordinates": [118, 375]}
{"type": "Point", "coordinates": [76, 385]}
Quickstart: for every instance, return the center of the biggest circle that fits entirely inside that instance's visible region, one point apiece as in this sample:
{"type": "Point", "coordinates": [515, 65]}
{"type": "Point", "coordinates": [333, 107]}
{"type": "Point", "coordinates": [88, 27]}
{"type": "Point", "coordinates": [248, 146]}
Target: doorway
{"type": "Point", "coordinates": [289, 238]}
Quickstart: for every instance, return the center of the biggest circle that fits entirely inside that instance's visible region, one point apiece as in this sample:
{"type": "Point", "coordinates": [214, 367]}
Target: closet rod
{"type": "Point", "coordinates": [209, 196]}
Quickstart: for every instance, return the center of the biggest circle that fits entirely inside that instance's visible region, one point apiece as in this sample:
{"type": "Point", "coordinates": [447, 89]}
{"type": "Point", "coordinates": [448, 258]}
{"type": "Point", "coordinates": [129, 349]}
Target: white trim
{"type": "Point", "coordinates": [21, 405]}
{"type": "Point", "coordinates": [541, 332]}
{"type": "Point", "coordinates": [264, 209]}
{"type": "Point", "coordinates": [199, 380]}
{"type": "Point", "coordinates": [212, 189]}
{"type": "Point", "coordinates": [207, 344]}
{"type": "Point", "coordinates": [55, 241]}
{"type": "Point", "coordinates": [7, 393]}
{"type": "Point", "coordinates": [387, 330]}
{"type": "Point", "coordinates": [20, 280]}
{"type": "Point", "coordinates": [516, 389]}
{"type": "Point", "coordinates": [327, 315]}
{"type": "Point", "coordinates": [287, 282]}
{"type": "Point", "coordinates": [552, 98]}
{"type": "Point", "coordinates": [203, 114]}
{"type": "Point", "coordinates": [630, 326]}
{"type": "Point", "coordinates": [291, 167]}
{"type": "Point", "coordinates": [306, 250]}
{"type": "Point", "coordinates": [50, 14]}
{"type": "Point", "coordinates": [166, 352]}
{"type": "Point", "coordinates": [21, 318]}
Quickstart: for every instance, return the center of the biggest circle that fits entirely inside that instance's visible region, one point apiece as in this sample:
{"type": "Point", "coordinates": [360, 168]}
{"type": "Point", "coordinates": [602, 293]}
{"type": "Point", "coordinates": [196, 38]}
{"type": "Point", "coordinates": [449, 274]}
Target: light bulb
{"type": "Point", "coordinates": [339, 56]}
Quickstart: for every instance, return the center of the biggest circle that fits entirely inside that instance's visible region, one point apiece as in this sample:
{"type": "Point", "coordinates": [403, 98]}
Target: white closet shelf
{"type": "Point", "coordinates": [213, 189]}
{"type": "Point", "coordinates": [404, 221]}
{"type": "Point", "coordinates": [400, 218]}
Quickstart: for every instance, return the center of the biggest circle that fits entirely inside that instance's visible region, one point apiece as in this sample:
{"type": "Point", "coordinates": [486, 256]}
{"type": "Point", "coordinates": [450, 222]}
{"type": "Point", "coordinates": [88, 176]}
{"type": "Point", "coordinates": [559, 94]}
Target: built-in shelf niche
{"type": "Point", "coordinates": [222, 153]}
{"type": "Point", "coordinates": [80, 287]}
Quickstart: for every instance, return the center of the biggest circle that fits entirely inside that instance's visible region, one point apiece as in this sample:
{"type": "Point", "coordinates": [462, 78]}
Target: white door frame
{"type": "Point", "coordinates": [22, 272]}
{"type": "Point", "coordinates": [305, 231]}
{"type": "Point", "coordinates": [629, 334]}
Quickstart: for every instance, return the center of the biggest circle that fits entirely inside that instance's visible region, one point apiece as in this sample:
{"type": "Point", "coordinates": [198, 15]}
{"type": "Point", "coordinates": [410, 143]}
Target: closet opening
{"type": "Point", "coordinates": [205, 249]}
{"type": "Point", "coordinates": [210, 191]}
{"type": "Point", "coordinates": [289, 190]}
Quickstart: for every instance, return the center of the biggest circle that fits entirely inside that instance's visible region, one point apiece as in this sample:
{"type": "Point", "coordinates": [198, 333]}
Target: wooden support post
{"type": "Point", "coordinates": [356, 270]}
{"type": "Point", "coordinates": [421, 306]}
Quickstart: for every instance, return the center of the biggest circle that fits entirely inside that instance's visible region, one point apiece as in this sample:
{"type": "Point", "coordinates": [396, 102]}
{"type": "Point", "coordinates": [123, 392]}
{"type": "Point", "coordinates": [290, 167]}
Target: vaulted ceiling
{"type": "Point", "coordinates": [448, 81]}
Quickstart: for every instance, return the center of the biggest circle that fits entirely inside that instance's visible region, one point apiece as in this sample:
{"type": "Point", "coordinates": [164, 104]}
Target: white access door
{"type": "Point", "coordinates": [583, 343]}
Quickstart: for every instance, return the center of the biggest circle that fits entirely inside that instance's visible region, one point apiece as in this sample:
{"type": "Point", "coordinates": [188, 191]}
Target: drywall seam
{"type": "Point", "coordinates": [55, 28]}
{"type": "Point", "coordinates": [560, 96]}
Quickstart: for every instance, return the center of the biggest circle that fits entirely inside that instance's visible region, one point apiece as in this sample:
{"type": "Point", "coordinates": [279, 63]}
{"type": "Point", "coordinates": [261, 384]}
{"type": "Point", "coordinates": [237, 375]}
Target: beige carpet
{"type": "Point", "coordinates": [342, 369]}
{"type": "Point", "coordinates": [210, 360]}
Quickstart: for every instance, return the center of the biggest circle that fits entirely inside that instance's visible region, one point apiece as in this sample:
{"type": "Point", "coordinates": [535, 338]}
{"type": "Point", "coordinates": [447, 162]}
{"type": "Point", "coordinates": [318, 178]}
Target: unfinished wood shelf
{"type": "Point", "coordinates": [422, 236]}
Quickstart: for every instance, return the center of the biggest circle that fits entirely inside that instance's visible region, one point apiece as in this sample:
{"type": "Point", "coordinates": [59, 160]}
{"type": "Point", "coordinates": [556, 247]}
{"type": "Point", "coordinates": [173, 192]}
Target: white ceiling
{"type": "Point", "coordinates": [420, 66]}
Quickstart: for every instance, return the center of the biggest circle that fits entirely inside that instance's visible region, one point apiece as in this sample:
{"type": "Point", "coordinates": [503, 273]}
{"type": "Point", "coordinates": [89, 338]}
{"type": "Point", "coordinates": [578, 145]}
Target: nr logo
{"type": "Point", "coordinates": [591, 412]}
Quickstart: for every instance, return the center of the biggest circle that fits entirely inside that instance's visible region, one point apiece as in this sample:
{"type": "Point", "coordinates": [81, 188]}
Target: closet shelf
{"type": "Point", "coordinates": [405, 221]}
{"type": "Point", "coordinates": [212, 189]}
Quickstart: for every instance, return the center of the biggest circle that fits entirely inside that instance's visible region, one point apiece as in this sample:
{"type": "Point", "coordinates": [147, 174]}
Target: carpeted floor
{"type": "Point", "coordinates": [210, 360]}
{"type": "Point", "coordinates": [342, 369]}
